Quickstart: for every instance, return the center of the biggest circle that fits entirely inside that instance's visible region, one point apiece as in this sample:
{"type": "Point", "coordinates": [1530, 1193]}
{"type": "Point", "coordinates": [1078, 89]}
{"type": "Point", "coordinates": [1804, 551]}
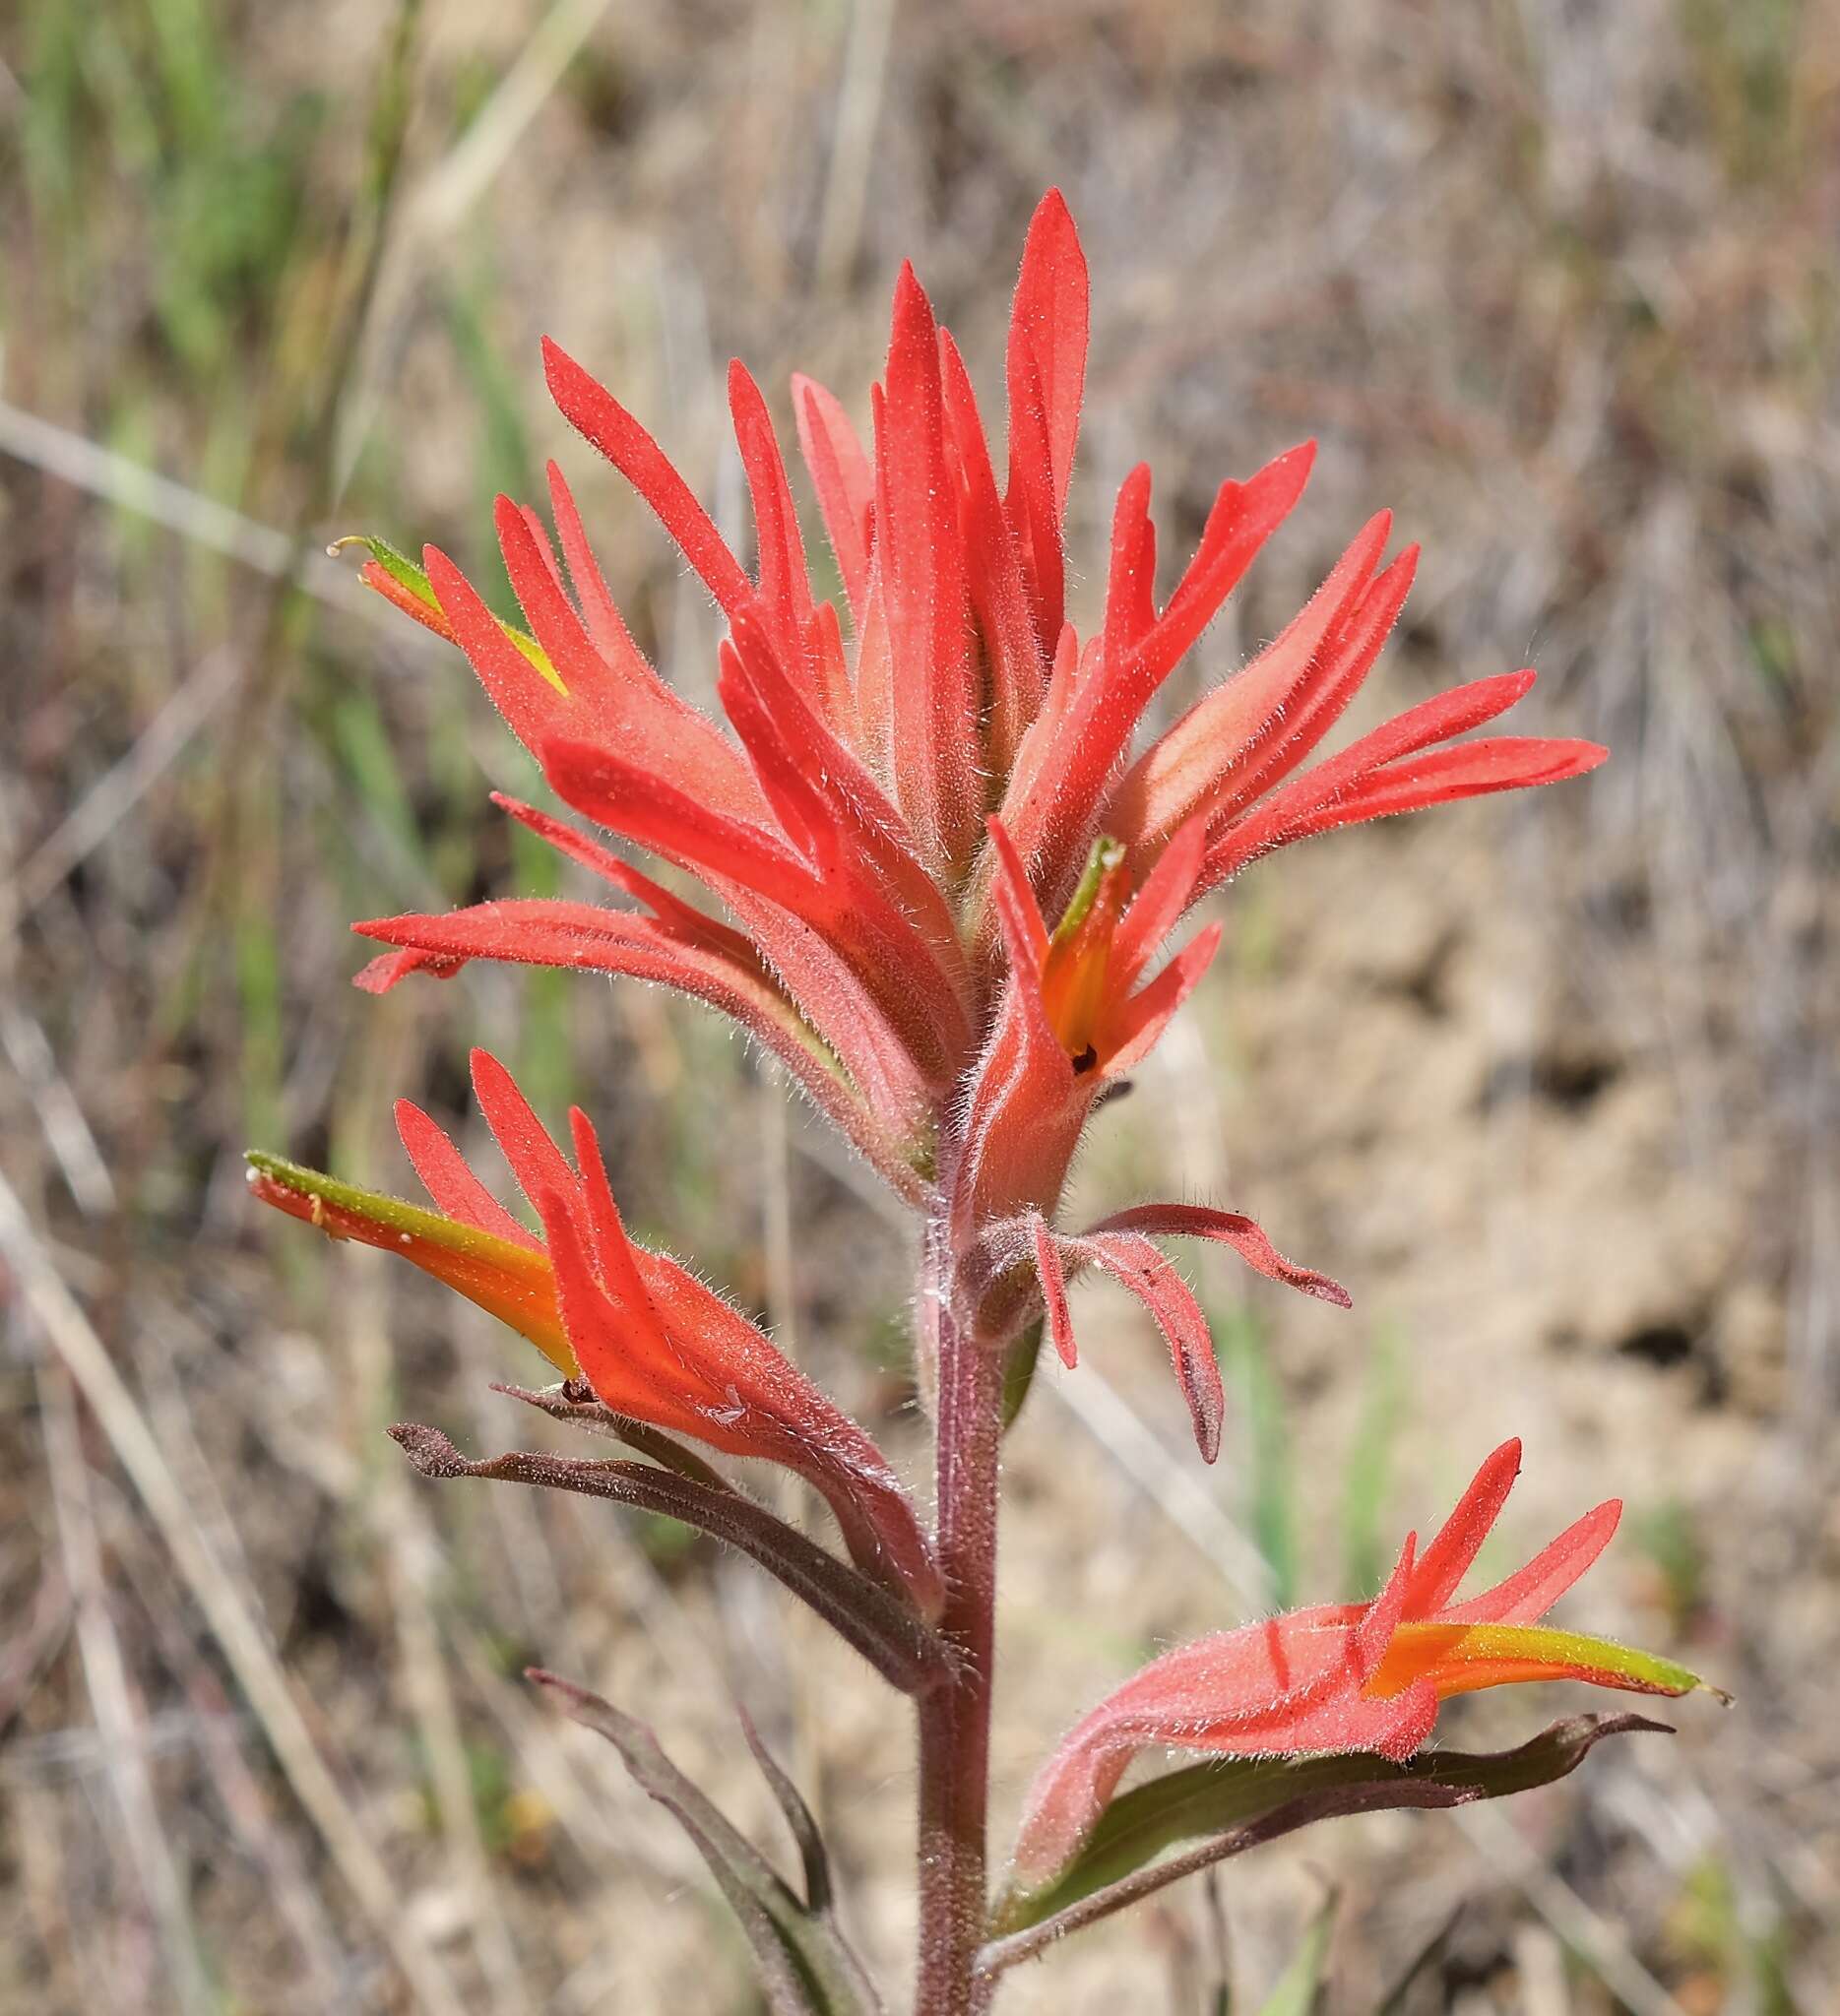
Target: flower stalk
{"type": "Point", "coordinates": [954, 1721]}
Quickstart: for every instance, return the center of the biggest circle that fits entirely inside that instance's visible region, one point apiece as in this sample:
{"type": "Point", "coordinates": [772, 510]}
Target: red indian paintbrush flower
{"type": "Point", "coordinates": [894, 816]}
{"type": "Point", "coordinates": [1345, 1676]}
{"type": "Point", "coordinates": [655, 1344]}
{"type": "Point", "coordinates": [945, 867]}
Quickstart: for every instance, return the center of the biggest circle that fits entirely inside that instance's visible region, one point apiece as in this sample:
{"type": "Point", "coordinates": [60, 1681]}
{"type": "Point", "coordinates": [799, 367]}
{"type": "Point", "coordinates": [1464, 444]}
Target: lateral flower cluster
{"type": "Point", "coordinates": [941, 876]}
{"type": "Point", "coordinates": [1345, 1676]}
{"type": "Point", "coordinates": [656, 1346]}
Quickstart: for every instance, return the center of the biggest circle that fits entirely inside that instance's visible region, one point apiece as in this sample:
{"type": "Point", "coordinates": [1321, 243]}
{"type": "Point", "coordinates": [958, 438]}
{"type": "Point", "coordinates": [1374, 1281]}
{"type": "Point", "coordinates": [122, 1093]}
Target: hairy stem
{"type": "Point", "coordinates": [955, 1720]}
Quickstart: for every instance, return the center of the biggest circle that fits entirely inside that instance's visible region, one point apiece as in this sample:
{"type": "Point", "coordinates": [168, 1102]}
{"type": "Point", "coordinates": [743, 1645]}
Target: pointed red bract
{"type": "Point", "coordinates": [1142, 1018]}
{"type": "Point", "coordinates": [1054, 798]}
{"type": "Point", "coordinates": [1530, 1592]}
{"type": "Point", "coordinates": [785, 587]}
{"type": "Point", "coordinates": [877, 1118]}
{"type": "Point", "coordinates": [1015, 658]}
{"type": "Point", "coordinates": [533, 706]}
{"type": "Point", "coordinates": [844, 482]}
{"type": "Point", "coordinates": [1053, 1291]}
{"type": "Point", "coordinates": [1230, 1229]}
{"type": "Point", "coordinates": [1136, 1263]}
{"type": "Point", "coordinates": [918, 577]}
{"type": "Point", "coordinates": [617, 697]}
{"type": "Point", "coordinates": [1123, 1246]}
{"type": "Point", "coordinates": [606, 625]}
{"type": "Point", "coordinates": [1237, 739]}
{"type": "Point", "coordinates": [1047, 374]}
{"type": "Point", "coordinates": [597, 416]}
{"type": "Point", "coordinates": [448, 1178]}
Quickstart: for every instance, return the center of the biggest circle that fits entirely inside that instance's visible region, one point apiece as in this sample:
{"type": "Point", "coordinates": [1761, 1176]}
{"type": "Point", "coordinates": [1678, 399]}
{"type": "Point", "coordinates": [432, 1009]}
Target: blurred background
{"type": "Point", "coordinates": [1551, 1082]}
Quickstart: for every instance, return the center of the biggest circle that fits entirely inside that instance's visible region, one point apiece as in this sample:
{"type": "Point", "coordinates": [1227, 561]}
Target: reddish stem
{"type": "Point", "coordinates": [955, 1720]}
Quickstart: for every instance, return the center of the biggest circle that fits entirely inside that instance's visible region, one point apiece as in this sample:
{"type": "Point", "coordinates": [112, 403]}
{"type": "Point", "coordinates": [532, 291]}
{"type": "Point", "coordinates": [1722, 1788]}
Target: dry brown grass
{"type": "Point", "coordinates": [1553, 1085]}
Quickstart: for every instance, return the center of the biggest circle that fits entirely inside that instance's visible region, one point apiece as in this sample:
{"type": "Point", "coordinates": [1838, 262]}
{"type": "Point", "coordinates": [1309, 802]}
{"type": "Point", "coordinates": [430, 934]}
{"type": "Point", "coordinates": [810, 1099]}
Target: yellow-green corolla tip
{"type": "Point", "coordinates": [1462, 1657]}
{"type": "Point", "coordinates": [513, 1281]}
{"type": "Point", "coordinates": [365, 1212]}
{"type": "Point", "coordinates": [414, 584]}
{"type": "Point", "coordinates": [1103, 855]}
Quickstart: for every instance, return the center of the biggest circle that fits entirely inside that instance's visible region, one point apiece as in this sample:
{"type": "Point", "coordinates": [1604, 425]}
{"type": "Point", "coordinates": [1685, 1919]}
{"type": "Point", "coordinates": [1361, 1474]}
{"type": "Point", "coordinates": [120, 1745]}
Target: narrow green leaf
{"type": "Point", "coordinates": [799, 1819]}
{"type": "Point", "coordinates": [1237, 1802]}
{"type": "Point", "coordinates": [820, 1893]}
{"type": "Point", "coordinates": [560, 1403]}
{"type": "Point", "coordinates": [884, 1629]}
{"type": "Point", "coordinates": [806, 1970]}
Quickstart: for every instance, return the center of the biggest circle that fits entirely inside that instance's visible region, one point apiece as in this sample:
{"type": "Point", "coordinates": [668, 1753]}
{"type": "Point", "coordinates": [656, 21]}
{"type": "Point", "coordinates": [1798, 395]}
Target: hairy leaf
{"type": "Point", "coordinates": [806, 1968]}
{"type": "Point", "coordinates": [1232, 1805]}
{"type": "Point", "coordinates": [564, 1402]}
{"type": "Point", "coordinates": [820, 1893]}
{"type": "Point", "coordinates": [891, 1636]}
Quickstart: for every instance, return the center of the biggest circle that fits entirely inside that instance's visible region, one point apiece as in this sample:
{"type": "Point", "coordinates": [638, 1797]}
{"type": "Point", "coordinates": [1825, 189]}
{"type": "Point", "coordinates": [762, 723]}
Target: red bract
{"type": "Point", "coordinates": [655, 1344]}
{"type": "Point", "coordinates": [1123, 1246]}
{"type": "Point", "coordinates": [1344, 1676]}
{"type": "Point", "coordinates": [947, 879]}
